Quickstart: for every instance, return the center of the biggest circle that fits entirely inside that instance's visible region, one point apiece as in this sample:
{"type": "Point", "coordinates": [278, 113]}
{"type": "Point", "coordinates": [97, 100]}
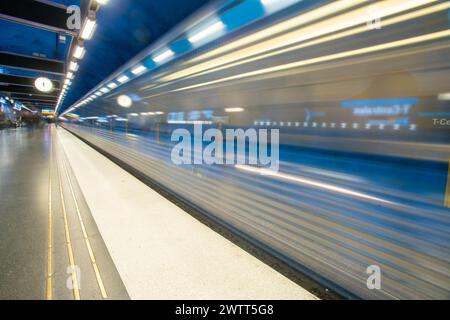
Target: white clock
{"type": "Point", "coordinates": [43, 84]}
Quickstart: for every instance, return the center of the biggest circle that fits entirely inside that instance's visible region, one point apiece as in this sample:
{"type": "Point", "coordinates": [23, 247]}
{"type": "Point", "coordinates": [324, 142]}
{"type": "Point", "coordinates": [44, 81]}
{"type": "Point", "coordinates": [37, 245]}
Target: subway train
{"type": "Point", "coordinates": [359, 94]}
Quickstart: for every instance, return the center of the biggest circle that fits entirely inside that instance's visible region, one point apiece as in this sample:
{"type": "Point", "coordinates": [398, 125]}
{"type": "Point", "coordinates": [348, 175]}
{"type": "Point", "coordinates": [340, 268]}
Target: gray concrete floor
{"type": "Point", "coordinates": [31, 164]}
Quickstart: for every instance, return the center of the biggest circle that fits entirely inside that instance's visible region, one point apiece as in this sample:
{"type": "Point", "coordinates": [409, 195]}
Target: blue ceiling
{"type": "Point", "coordinates": [124, 28]}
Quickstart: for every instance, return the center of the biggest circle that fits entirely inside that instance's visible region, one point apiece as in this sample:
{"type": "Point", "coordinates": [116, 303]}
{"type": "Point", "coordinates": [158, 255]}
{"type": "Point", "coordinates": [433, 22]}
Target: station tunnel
{"type": "Point", "coordinates": [226, 149]}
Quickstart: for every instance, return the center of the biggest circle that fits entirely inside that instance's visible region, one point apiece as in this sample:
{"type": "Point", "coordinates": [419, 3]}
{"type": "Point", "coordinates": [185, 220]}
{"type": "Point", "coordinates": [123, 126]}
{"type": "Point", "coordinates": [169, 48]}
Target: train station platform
{"type": "Point", "coordinates": [74, 225]}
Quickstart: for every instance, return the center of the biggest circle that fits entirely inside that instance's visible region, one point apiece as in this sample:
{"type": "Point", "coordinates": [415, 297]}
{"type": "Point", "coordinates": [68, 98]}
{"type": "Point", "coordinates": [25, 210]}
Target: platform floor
{"type": "Point", "coordinates": [126, 240]}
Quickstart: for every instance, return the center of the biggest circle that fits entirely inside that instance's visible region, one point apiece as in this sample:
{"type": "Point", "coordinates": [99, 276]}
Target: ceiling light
{"type": "Point", "coordinates": [68, 82]}
{"type": "Point", "coordinates": [73, 66]}
{"type": "Point", "coordinates": [98, 94]}
{"type": "Point", "coordinates": [104, 90]}
{"type": "Point", "coordinates": [444, 96]}
{"type": "Point", "coordinates": [112, 85]}
{"type": "Point", "coordinates": [123, 79]}
{"type": "Point", "coordinates": [164, 56]}
{"type": "Point", "coordinates": [88, 29]}
{"type": "Point", "coordinates": [124, 101]}
{"type": "Point", "coordinates": [234, 109]}
{"type": "Point", "coordinates": [43, 84]}
{"type": "Point", "coordinates": [79, 52]}
{"type": "Point", "coordinates": [102, 2]}
{"type": "Point", "coordinates": [139, 69]}
{"type": "Point", "coordinates": [69, 75]}
{"type": "Point", "coordinates": [207, 32]}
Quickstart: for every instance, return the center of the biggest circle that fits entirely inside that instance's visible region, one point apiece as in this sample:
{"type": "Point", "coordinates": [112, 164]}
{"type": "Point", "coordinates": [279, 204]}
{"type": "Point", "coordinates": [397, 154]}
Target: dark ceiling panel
{"type": "Point", "coordinates": [37, 14]}
{"type": "Point", "coordinates": [34, 97]}
{"type": "Point", "coordinates": [31, 63]}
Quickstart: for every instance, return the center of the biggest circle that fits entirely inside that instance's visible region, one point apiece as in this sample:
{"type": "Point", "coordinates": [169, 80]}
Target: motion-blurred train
{"type": "Point", "coordinates": [360, 91]}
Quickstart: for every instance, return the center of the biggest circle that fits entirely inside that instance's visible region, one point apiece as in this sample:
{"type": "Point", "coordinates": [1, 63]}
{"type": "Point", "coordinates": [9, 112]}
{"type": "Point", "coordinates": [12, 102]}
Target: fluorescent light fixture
{"type": "Point", "coordinates": [70, 75]}
{"type": "Point", "coordinates": [123, 79]}
{"type": "Point", "coordinates": [234, 109]}
{"type": "Point", "coordinates": [278, 4]}
{"type": "Point", "coordinates": [102, 2]}
{"type": "Point", "coordinates": [79, 52]}
{"type": "Point", "coordinates": [189, 122]}
{"type": "Point", "coordinates": [104, 90]}
{"type": "Point", "coordinates": [444, 96]}
{"type": "Point", "coordinates": [164, 56]}
{"type": "Point", "coordinates": [68, 82]}
{"type": "Point", "coordinates": [159, 112]}
{"type": "Point", "coordinates": [98, 94]}
{"type": "Point", "coordinates": [139, 70]}
{"type": "Point", "coordinates": [73, 66]}
{"type": "Point", "coordinates": [133, 114]}
{"type": "Point", "coordinates": [88, 29]}
{"type": "Point", "coordinates": [112, 85]}
{"type": "Point", "coordinates": [124, 101]}
{"type": "Point", "coordinates": [207, 32]}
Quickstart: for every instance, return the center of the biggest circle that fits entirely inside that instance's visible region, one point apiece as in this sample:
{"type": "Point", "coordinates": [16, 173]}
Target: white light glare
{"type": "Point", "coordinates": [164, 56]}
{"type": "Point", "coordinates": [139, 70]}
{"type": "Point", "coordinates": [123, 79]}
{"type": "Point", "coordinates": [234, 109]}
{"type": "Point", "coordinates": [104, 90]}
{"type": "Point", "coordinates": [444, 96]}
{"type": "Point", "coordinates": [310, 182]}
{"type": "Point", "coordinates": [207, 32]}
{"type": "Point", "coordinates": [112, 85]}
{"type": "Point", "coordinates": [73, 66]}
{"type": "Point", "coordinates": [79, 52]}
{"type": "Point", "coordinates": [88, 29]}
{"type": "Point", "coordinates": [102, 2]}
{"type": "Point", "coordinates": [124, 101]}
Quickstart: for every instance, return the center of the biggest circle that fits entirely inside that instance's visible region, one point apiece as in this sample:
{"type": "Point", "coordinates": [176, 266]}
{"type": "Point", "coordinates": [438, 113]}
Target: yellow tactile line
{"type": "Point", "coordinates": [49, 290]}
{"type": "Point", "coordinates": [447, 191]}
{"type": "Point", "coordinates": [76, 290]}
{"type": "Point", "coordinates": [86, 238]}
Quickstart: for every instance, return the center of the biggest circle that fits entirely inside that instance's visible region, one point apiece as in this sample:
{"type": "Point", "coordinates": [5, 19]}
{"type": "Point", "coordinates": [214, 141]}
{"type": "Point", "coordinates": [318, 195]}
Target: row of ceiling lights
{"type": "Point", "coordinates": [197, 37]}
{"type": "Point", "coordinates": [139, 69]}
{"type": "Point", "coordinates": [86, 33]}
